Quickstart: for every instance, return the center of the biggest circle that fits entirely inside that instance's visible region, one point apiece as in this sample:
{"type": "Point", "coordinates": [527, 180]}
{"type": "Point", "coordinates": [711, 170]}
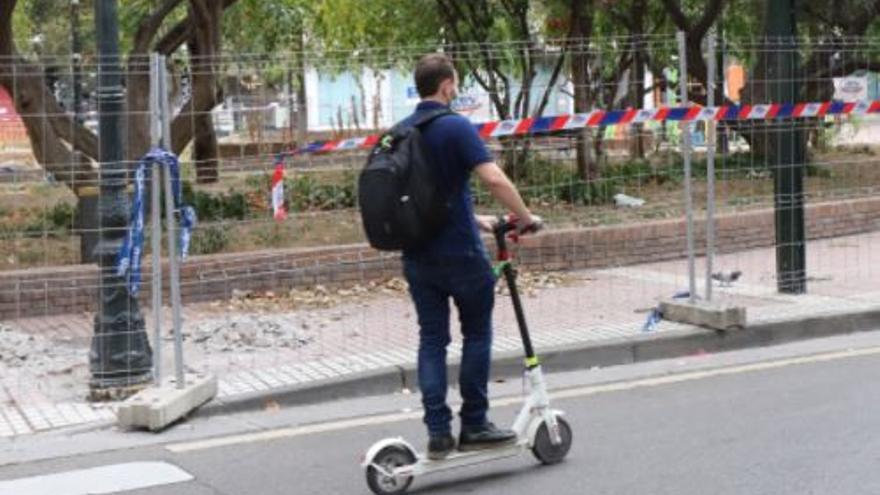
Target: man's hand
{"type": "Point", "coordinates": [529, 225]}
{"type": "Point", "coordinates": [486, 223]}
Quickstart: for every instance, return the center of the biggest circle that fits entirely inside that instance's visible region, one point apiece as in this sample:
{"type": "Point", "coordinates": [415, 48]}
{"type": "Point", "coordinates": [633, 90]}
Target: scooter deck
{"type": "Point", "coordinates": [458, 458]}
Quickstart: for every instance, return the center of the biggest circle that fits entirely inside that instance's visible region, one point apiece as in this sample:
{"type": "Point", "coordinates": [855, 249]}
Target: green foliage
{"type": "Point", "coordinates": [547, 181]}
{"type": "Point", "coordinates": [50, 21]}
{"type": "Point", "coordinates": [304, 193]}
{"type": "Point", "coordinates": [271, 235]}
{"type": "Point", "coordinates": [552, 182]}
{"type": "Point", "coordinates": [670, 168]}
{"type": "Point", "coordinates": [61, 216]}
{"type": "Point", "coordinates": [53, 221]}
{"type": "Point", "coordinates": [360, 24]}
{"type": "Point", "coordinates": [816, 171]}
{"type": "Point", "coordinates": [743, 166]}
{"type": "Point", "coordinates": [209, 239]}
{"type": "Point", "coordinates": [332, 35]}
{"type": "Point", "coordinates": [133, 12]}
{"type": "Point", "coordinates": [213, 207]}
{"type": "Point", "coordinates": [260, 26]}
{"type": "Point", "coordinates": [581, 192]}
{"type": "Point", "coordinates": [56, 221]}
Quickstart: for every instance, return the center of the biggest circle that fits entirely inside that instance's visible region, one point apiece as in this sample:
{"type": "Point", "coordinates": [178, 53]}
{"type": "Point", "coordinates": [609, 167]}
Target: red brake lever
{"type": "Point", "coordinates": [513, 235]}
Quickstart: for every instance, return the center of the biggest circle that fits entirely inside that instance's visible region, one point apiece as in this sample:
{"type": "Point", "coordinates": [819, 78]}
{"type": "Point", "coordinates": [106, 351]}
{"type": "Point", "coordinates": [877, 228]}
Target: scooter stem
{"type": "Point", "coordinates": [502, 228]}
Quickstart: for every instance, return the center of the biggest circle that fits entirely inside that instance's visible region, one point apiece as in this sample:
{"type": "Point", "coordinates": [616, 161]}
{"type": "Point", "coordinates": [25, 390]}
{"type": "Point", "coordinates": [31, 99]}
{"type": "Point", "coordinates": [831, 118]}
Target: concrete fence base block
{"type": "Point", "coordinates": [157, 407]}
{"type": "Point", "coordinates": [708, 315]}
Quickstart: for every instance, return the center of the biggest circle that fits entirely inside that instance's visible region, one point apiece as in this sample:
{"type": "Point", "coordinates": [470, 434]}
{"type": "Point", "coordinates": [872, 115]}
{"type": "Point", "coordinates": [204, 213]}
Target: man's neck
{"type": "Point", "coordinates": [436, 99]}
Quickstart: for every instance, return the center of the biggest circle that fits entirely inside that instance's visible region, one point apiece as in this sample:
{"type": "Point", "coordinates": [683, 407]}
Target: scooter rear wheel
{"type": "Point", "coordinates": [389, 458]}
{"type": "Point", "coordinates": [544, 449]}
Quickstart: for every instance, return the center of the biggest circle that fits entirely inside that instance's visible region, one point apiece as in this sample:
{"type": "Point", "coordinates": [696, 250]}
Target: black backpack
{"type": "Point", "coordinates": [402, 205]}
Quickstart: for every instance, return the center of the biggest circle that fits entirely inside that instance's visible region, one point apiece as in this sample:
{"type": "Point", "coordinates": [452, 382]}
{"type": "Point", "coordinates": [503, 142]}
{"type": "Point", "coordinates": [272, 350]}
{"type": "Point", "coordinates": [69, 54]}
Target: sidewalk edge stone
{"type": "Point", "coordinates": [612, 352]}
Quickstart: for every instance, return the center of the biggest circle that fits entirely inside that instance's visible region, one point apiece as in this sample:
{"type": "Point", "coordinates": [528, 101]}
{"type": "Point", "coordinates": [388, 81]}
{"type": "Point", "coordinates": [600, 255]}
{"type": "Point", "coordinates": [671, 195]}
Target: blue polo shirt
{"type": "Point", "coordinates": [457, 149]}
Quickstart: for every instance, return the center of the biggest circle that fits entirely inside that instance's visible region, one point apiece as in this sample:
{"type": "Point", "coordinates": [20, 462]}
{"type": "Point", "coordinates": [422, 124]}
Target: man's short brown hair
{"type": "Point", "coordinates": [432, 70]}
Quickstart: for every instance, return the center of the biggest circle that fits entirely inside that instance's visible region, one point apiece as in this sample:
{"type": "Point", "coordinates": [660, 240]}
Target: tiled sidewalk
{"type": "Point", "coordinates": [295, 347]}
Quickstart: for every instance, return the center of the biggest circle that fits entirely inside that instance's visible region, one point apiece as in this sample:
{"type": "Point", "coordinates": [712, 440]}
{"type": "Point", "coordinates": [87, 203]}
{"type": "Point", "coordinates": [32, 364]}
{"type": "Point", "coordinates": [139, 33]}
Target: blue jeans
{"type": "Point", "coordinates": [469, 282]}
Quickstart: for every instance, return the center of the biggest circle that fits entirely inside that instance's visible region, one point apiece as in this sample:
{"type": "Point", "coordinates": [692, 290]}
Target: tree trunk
{"type": "Point", "coordinates": [637, 82]}
{"type": "Point", "coordinates": [137, 81]}
{"type": "Point", "coordinates": [54, 134]}
{"type": "Point", "coordinates": [637, 150]}
{"type": "Point", "coordinates": [581, 29]}
{"type": "Point", "coordinates": [302, 110]}
{"type": "Point", "coordinates": [44, 119]}
{"type": "Point", "coordinates": [514, 156]}
{"type": "Point", "coordinates": [68, 167]}
{"type": "Point", "coordinates": [204, 49]}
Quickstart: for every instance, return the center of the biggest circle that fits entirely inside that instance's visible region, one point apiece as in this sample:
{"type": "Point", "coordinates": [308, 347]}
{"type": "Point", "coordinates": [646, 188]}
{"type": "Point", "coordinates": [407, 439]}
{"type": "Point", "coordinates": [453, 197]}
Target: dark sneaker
{"type": "Point", "coordinates": [487, 436]}
{"type": "Point", "coordinates": [440, 446]}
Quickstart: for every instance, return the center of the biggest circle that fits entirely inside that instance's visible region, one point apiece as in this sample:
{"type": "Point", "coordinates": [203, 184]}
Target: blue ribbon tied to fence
{"type": "Point", "coordinates": [128, 260]}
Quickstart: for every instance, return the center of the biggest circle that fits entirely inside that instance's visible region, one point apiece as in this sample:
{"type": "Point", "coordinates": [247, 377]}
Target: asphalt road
{"type": "Point", "coordinates": [797, 422]}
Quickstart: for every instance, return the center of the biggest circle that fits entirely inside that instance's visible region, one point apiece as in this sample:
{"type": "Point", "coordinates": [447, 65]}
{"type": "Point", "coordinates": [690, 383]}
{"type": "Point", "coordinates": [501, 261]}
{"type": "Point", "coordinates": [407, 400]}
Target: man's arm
{"type": "Point", "coordinates": [504, 191]}
{"type": "Point", "coordinates": [474, 155]}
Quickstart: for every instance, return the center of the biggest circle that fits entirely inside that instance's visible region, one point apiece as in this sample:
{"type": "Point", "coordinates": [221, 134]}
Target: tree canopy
{"type": "Point", "coordinates": [600, 47]}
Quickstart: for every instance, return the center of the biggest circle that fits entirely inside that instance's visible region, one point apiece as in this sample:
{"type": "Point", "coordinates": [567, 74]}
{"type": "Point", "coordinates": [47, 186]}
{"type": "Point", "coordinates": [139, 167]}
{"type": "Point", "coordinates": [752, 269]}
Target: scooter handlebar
{"type": "Point", "coordinates": [512, 227]}
{"type": "Point", "coordinates": [511, 223]}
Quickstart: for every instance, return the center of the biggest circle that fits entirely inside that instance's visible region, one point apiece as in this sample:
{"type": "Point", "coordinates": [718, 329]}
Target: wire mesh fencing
{"type": "Point", "coordinates": [604, 138]}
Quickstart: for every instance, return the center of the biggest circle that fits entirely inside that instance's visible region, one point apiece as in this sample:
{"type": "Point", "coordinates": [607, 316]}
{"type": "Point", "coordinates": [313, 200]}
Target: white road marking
{"type": "Point", "coordinates": [94, 481]}
{"type": "Point", "coordinates": [276, 434]}
{"type": "Point", "coordinates": [291, 432]}
{"type": "Point", "coordinates": [698, 375]}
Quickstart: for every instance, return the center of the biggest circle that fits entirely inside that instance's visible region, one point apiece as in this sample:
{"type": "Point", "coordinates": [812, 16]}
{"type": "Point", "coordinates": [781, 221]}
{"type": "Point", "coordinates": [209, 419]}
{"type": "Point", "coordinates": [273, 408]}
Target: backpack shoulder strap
{"type": "Point", "coordinates": [429, 116]}
{"type": "Point", "coordinates": [420, 120]}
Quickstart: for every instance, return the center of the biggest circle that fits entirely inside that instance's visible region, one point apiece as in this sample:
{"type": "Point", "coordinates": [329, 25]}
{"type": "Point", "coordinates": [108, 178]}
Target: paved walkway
{"type": "Point", "coordinates": [258, 345]}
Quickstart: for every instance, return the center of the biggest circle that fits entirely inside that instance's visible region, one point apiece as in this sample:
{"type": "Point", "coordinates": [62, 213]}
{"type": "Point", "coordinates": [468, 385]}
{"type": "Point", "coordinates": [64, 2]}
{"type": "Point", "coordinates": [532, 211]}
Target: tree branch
{"type": "Point", "coordinates": [516, 11]}
{"type": "Point", "coordinates": [620, 19]}
{"type": "Point", "coordinates": [150, 25]}
{"type": "Point", "coordinates": [175, 38]}
{"type": "Point", "coordinates": [6, 40]}
{"type": "Point", "coordinates": [68, 129]}
{"type": "Point", "coordinates": [180, 33]}
{"type": "Point", "coordinates": [624, 64]}
{"type": "Point", "coordinates": [808, 9]}
{"type": "Point", "coordinates": [37, 107]}
{"type": "Point", "coordinates": [550, 84]}
{"type": "Point", "coordinates": [452, 11]}
{"type": "Point", "coordinates": [709, 15]}
{"type": "Point", "coordinates": [183, 127]}
{"type": "Point", "coordinates": [200, 11]}
{"type": "Point", "coordinates": [677, 16]}
{"type": "Point", "coordinates": [862, 22]}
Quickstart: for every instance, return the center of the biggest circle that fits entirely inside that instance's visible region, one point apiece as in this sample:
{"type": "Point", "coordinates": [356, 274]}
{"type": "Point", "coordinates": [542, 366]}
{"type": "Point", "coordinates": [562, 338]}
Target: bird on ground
{"type": "Point", "coordinates": [726, 279]}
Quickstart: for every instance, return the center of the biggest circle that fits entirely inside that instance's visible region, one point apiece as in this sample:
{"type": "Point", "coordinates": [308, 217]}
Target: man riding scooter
{"type": "Point", "coordinates": [455, 265]}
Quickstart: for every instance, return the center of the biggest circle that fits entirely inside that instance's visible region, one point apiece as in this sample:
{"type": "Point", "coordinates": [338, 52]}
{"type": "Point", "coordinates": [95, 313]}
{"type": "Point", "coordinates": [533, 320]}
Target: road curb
{"type": "Point", "coordinates": [646, 347]}
{"type": "Point", "coordinates": [373, 382]}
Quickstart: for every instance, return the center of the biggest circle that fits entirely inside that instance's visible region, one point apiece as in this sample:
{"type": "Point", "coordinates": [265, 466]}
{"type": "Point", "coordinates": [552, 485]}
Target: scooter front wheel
{"type": "Point", "coordinates": [388, 459]}
{"type": "Point", "coordinates": [543, 447]}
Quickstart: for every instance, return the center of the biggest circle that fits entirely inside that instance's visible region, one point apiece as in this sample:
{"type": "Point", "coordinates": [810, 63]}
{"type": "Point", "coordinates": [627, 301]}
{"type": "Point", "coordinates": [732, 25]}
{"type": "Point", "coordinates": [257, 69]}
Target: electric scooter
{"type": "Point", "coordinates": [392, 464]}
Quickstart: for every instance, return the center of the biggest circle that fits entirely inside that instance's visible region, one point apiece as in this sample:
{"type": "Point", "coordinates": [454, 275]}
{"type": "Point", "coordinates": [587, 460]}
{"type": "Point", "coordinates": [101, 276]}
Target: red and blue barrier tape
{"type": "Point", "coordinates": [602, 118]}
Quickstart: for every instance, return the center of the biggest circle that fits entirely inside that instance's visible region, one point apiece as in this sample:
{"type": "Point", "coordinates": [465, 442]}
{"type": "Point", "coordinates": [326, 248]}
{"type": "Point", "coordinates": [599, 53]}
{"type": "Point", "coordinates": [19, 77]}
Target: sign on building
{"type": "Point", "coordinates": [853, 88]}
